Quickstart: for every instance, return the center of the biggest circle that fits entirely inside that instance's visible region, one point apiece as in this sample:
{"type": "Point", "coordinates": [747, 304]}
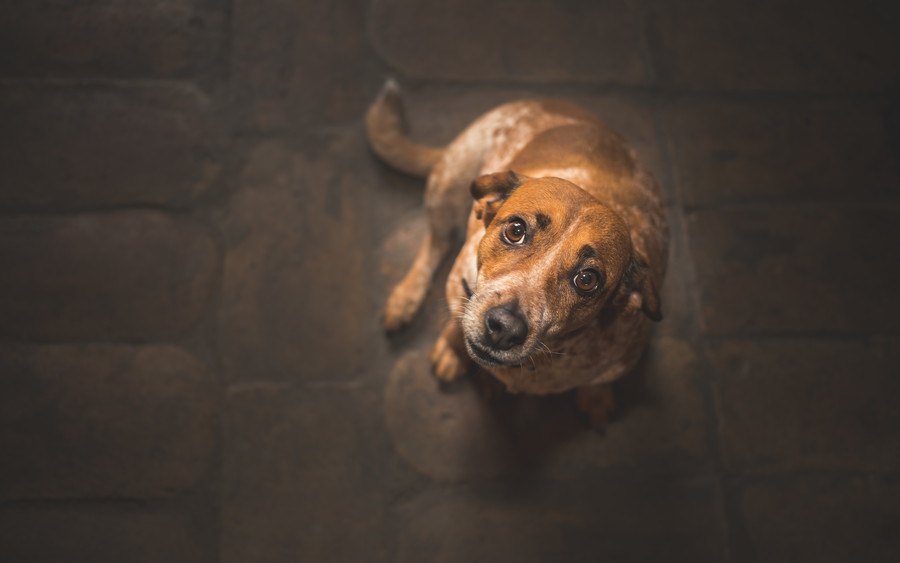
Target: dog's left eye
{"type": "Point", "coordinates": [514, 232]}
{"type": "Point", "coordinates": [586, 280]}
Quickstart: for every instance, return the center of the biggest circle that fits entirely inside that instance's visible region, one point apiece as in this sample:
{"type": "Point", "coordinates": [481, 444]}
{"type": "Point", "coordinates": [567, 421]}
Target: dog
{"type": "Point", "coordinates": [566, 244]}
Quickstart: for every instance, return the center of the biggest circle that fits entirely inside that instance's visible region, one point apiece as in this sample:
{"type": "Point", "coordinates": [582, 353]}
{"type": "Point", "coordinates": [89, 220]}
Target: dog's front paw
{"type": "Point", "coordinates": [401, 306]}
{"type": "Point", "coordinates": [446, 364]}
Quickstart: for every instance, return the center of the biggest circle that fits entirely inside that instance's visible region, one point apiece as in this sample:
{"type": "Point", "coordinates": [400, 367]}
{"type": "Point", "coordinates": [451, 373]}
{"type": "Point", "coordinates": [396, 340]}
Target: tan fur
{"type": "Point", "coordinates": [386, 128]}
{"type": "Point", "coordinates": [588, 204]}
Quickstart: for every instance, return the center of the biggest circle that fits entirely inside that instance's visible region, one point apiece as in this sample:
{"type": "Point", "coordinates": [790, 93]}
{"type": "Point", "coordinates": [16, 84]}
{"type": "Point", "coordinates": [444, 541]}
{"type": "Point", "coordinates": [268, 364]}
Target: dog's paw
{"type": "Point", "coordinates": [597, 403]}
{"type": "Point", "coordinates": [401, 307]}
{"type": "Point", "coordinates": [446, 364]}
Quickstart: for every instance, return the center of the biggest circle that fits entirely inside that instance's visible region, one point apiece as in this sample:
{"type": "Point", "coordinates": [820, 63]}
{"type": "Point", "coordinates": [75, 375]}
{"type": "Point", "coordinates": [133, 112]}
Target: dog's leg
{"type": "Point", "coordinates": [597, 402]}
{"type": "Point", "coordinates": [447, 203]}
{"type": "Point", "coordinates": [448, 357]}
{"type": "Point", "coordinates": [408, 295]}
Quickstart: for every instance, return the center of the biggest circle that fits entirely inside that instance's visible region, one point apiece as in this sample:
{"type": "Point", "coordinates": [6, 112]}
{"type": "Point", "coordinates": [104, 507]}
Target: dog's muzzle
{"type": "Point", "coordinates": [504, 327]}
{"type": "Point", "coordinates": [499, 337]}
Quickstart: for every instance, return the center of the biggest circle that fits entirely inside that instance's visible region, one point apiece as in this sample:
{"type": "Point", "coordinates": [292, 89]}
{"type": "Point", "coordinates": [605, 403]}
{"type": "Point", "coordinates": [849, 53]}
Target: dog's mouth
{"type": "Point", "coordinates": [487, 357]}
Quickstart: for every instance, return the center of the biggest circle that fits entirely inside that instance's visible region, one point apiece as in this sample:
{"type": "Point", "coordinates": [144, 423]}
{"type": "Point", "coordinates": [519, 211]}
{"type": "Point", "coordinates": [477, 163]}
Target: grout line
{"type": "Point", "coordinates": [855, 335]}
{"type": "Point", "coordinates": [102, 83]}
{"type": "Point", "coordinates": [648, 40]}
{"type": "Point", "coordinates": [650, 90]}
{"type": "Point", "coordinates": [212, 344]}
{"type": "Point", "coordinates": [859, 203]}
{"type": "Point", "coordinates": [679, 233]}
{"type": "Point", "coordinates": [351, 384]}
{"type": "Point", "coordinates": [181, 497]}
{"type": "Point", "coordinates": [51, 211]}
{"type": "Point", "coordinates": [180, 341]}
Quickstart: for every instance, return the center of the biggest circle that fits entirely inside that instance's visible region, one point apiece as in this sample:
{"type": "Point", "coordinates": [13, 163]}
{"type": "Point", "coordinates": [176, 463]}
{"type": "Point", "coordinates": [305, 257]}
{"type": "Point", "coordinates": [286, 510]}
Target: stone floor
{"type": "Point", "coordinates": [196, 244]}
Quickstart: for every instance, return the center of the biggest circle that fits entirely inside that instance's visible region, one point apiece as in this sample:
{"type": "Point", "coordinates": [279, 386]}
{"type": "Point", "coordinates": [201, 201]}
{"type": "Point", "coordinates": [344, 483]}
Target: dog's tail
{"type": "Point", "coordinates": [386, 130]}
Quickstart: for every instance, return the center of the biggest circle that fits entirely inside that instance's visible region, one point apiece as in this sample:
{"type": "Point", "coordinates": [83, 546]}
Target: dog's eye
{"type": "Point", "coordinates": [586, 280]}
{"type": "Point", "coordinates": [514, 232]}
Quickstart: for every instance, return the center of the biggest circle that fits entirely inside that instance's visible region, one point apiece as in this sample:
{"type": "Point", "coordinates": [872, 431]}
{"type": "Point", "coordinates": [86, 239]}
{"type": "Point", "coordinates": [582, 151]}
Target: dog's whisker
{"type": "Point", "coordinates": [549, 351]}
{"type": "Point", "coordinates": [548, 357]}
{"type": "Point", "coordinates": [543, 350]}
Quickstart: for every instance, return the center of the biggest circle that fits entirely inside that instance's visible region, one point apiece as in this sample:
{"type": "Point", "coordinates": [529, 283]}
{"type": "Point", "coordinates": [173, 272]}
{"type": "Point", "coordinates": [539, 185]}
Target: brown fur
{"type": "Point", "coordinates": [586, 204]}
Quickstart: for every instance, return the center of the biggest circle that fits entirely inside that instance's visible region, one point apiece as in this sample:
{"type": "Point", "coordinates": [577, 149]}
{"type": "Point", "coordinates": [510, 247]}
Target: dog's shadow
{"type": "Point", "coordinates": [536, 427]}
{"type": "Point", "coordinates": [473, 429]}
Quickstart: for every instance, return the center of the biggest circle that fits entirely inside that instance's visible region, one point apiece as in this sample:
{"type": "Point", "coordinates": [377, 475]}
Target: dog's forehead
{"type": "Point", "coordinates": [603, 238]}
{"type": "Point", "coordinates": [570, 226]}
{"type": "Point", "coordinates": [564, 205]}
{"type": "Point", "coordinates": [548, 195]}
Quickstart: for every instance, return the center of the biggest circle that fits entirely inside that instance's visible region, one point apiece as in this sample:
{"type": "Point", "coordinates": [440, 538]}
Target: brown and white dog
{"type": "Point", "coordinates": [566, 247]}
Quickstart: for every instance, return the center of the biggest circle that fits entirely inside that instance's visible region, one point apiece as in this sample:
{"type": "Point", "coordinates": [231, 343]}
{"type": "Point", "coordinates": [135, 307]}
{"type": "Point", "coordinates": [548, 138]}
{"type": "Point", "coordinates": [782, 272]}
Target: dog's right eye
{"type": "Point", "coordinates": [586, 281]}
{"type": "Point", "coordinates": [514, 232]}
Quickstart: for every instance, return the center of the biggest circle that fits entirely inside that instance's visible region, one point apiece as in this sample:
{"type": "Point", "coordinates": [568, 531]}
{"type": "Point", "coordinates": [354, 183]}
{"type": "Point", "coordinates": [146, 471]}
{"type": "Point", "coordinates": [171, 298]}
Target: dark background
{"type": "Point", "coordinates": [196, 244]}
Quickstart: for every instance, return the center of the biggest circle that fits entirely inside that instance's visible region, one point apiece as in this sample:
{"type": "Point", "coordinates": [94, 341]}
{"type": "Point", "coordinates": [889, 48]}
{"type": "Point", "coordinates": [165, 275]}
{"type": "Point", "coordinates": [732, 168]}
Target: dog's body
{"type": "Point", "coordinates": [566, 245]}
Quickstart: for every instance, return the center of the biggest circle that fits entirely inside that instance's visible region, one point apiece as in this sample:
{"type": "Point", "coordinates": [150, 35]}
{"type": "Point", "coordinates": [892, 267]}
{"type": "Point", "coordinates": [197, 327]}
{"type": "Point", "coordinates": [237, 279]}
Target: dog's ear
{"type": "Point", "coordinates": [491, 190]}
{"type": "Point", "coordinates": [639, 291]}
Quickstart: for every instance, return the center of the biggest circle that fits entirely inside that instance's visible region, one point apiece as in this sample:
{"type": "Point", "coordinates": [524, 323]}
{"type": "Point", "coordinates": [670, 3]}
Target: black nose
{"type": "Point", "coordinates": [505, 327]}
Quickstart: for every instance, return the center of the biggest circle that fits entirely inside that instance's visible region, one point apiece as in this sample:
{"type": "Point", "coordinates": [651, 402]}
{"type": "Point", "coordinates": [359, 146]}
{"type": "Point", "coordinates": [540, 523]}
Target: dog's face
{"type": "Point", "coordinates": [552, 259]}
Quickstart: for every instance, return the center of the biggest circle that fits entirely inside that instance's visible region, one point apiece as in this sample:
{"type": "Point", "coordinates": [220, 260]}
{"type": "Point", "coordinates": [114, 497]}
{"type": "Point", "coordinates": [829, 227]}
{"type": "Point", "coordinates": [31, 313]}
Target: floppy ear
{"type": "Point", "coordinates": [491, 190]}
{"type": "Point", "coordinates": [639, 290]}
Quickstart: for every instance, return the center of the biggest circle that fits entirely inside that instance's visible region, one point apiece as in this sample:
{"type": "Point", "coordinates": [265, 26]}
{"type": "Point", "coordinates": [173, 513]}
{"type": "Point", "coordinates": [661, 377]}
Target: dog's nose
{"type": "Point", "coordinates": [505, 328]}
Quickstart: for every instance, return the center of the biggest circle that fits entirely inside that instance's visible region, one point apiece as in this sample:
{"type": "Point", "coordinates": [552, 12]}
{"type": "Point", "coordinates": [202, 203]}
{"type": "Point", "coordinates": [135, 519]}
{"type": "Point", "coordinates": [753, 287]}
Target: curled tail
{"type": "Point", "coordinates": [386, 130]}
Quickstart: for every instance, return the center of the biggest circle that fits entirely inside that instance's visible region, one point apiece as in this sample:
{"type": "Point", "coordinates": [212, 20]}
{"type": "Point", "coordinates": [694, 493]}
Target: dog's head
{"type": "Point", "coordinates": [553, 258]}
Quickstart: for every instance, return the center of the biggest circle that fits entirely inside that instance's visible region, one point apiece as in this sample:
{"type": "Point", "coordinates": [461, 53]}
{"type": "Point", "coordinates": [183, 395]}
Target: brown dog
{"type": "Point", "coordinates": [565, 248]}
